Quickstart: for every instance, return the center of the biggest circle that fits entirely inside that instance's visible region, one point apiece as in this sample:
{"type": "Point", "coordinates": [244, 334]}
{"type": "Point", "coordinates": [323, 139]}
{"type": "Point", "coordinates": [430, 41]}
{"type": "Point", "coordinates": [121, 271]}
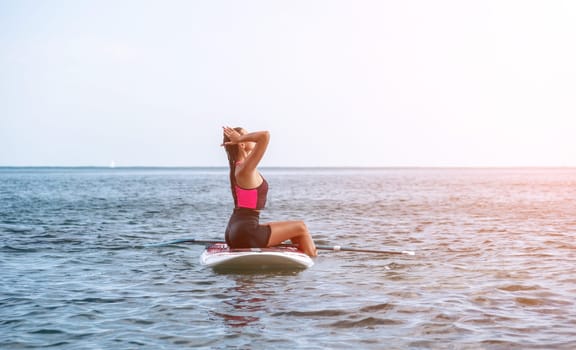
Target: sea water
{"type": "Point", "coordinates": [493, 269]}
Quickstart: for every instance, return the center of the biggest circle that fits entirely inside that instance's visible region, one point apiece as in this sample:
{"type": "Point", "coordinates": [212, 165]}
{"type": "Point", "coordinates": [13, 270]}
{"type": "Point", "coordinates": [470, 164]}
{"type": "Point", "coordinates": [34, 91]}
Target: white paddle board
{"type": "Point", "coordinates": [220, 256]}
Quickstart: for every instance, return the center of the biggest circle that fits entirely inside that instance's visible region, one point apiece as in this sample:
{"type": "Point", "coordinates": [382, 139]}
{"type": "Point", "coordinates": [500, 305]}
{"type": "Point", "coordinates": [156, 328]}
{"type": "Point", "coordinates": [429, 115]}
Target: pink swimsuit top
{"type": "Point", "coordinates": [254, 198]}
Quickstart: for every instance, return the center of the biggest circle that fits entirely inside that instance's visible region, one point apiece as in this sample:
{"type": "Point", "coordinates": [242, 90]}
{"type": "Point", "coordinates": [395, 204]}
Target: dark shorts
{"type": "Point", "coordinates": [244, 230]}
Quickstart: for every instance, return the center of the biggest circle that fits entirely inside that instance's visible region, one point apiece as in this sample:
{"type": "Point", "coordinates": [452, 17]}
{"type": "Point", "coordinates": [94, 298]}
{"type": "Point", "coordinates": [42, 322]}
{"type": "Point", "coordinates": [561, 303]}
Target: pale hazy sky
{"type": "Point", "coordinates": [337, 83]}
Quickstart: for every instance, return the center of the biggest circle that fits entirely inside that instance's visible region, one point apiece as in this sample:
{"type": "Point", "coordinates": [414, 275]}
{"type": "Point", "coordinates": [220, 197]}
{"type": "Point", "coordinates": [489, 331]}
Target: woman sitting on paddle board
{"type": "Point", "coordinates": [249, 189]}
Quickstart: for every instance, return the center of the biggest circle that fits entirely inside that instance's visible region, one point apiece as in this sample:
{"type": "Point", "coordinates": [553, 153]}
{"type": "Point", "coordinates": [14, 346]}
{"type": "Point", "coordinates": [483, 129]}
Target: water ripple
{"type": "Point", "coordinates": [492, 270]}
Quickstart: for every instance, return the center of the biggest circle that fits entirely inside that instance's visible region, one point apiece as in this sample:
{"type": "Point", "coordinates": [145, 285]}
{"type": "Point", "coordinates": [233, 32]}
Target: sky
{"type": "Point", "coordinates": [337, 83]}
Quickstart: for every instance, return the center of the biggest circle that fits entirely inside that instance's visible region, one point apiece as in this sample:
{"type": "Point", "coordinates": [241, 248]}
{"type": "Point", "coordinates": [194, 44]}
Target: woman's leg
{"type": "Point", "coordinates": [295, 231]}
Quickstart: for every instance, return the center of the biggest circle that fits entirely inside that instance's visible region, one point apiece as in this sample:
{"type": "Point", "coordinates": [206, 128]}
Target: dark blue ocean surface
{"type": "Point", "coordinates": [494, 264]}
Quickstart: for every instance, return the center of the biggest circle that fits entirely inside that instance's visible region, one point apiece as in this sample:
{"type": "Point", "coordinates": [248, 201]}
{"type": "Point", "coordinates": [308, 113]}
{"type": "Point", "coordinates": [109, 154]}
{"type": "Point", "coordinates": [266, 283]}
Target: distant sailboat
{"type": "Point", "coordinates": [112, 164]}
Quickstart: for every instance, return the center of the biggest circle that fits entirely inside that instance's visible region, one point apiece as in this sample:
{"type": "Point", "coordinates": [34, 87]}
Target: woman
{"type": "Point", "coordinates": [249, 189]}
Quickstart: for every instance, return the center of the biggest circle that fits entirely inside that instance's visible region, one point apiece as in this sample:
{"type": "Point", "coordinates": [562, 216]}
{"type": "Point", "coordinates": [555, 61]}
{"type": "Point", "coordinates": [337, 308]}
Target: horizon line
{"type": "Point", "coordinates": [293, 167]}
